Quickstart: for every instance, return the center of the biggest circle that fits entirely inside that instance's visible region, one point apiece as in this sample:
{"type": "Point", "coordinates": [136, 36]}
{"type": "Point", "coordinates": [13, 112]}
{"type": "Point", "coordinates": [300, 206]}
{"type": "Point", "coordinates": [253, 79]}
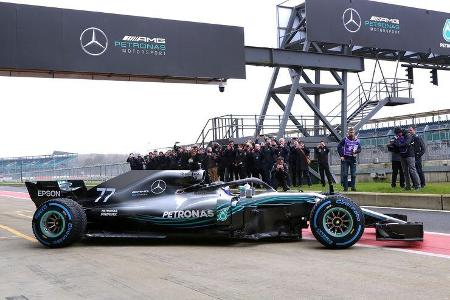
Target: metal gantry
{"type": "Point", "coordinates": [356, 112]}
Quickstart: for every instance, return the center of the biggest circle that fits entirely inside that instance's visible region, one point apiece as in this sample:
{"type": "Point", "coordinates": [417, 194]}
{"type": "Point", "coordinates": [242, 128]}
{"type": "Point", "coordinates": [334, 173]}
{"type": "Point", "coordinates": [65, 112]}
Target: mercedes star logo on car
{"type": "Point", "coordinates": [158, 187]}
{"type": "Point", "coordinates": [94, 41]}
{"type": "Point", "coordinates": [352, 20]}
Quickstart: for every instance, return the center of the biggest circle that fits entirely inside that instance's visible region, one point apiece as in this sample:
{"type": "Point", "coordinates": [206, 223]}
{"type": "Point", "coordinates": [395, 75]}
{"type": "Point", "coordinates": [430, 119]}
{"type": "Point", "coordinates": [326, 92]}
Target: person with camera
{"type": "Point", "coordinates": [303, 164]}
{"type": "Point", "coordinates": [210, 166]}
{"type": "Point", "coordinates": [149, 161]}
{"type": "Point", "coordinates": [294, 162]}
{"type": "Point", "coordinates": [228, 156]}
{"type": "Point", "coordinates": [172, 162]}
{"type": "Point", "coordinates": [348, 150]}
{"type": "Point", "coordinates": [268, 152]}
{"type": "Point", "coordinates": [419, 151]}
{"type": "Point", "coordinates": [132, 161]}
{"type": "Point", "coordinates": [182, 158]}
{"type": "Point", "coordinates": [139, 162]}
{"type": "Point", "coordinates": [257, 162]}
{"type": "Point", "coordinates": [280, 173]}
{"type": "Point", "coordinates": [404, 144]}
{"type": "Point", "coordinates": [195, 159]}
{"type": "Point", "coordinates": [248, 149]}
{"type": "Point", "coordinates": [322, 152]}
{"type": "Point", "coordinates": [240, 168]}
{"type": "Point", "coordinates": [397, 170]}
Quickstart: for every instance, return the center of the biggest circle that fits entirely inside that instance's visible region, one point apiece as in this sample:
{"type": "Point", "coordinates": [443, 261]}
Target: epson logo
{"type": "Point", "coordinates": [49, 194]}
{"type": "Point", "coordinates": [386, 20]}
{"type": "Point", "coordinates": [130, 38]}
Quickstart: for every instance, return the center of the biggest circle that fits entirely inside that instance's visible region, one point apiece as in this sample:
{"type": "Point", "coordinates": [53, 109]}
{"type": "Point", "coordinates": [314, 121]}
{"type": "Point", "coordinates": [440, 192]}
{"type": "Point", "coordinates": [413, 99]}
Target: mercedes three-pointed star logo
{"type": "Point", "coordinates": [94, 41]}
{"type": "Point", "coordinates": [446, 31]}
{"type": "Point", "coordinates": [158, 187]}
{"type": "Point", "coordinates": [352, 20]}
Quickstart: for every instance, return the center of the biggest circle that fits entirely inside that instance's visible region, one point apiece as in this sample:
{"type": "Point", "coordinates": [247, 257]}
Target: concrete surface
{"type": "Point", "coordinates": [207, 269]}
{"type": "Point", "coordinates": [446, 202]}
{"type": "Point", "coordinates": [410, 201]}
{"type": "Point", "coordinates": [421, 201]}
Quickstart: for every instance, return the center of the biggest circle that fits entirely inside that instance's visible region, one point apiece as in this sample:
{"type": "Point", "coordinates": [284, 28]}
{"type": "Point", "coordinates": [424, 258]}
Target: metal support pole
{"type": "Point", "coordinates": [317, 103]}
{"type": "Point", "coordinates": [290, 102]}
{"type": "Point", "coordinates": [317, 112]}
{"type": "Point", "coordinates": [344, 105]}
{"type": "Point", "coordinates": [292, 117]}
{"type": "Point", "coordinates": [214, 122]}
{"type": "Point", "coordinates": [265, 107]}
{"type": "Point", "coordinates": [21, 171]}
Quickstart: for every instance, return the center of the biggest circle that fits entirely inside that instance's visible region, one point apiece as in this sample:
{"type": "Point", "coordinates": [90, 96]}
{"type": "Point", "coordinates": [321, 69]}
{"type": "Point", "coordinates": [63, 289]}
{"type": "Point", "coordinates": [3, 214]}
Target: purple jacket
{"type": "Point", "coordinates": [346, 147]}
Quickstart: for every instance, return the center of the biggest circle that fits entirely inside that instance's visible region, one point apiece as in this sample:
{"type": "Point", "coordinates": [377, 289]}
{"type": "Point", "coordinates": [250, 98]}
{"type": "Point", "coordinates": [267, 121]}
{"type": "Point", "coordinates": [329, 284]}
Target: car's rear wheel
{"type": "Point", "coordinates": [337, 222]}
{"type": "Point", "coordinates": [59, 223]}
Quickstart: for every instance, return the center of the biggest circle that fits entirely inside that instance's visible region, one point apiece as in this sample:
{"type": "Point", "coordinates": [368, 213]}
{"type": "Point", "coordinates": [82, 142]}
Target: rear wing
{"type": "Point", "coordinates": [42, 191]}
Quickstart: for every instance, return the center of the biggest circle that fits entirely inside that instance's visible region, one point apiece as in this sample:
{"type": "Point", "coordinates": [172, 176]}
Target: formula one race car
{"type": "Point", "coordinates": [164, 204]}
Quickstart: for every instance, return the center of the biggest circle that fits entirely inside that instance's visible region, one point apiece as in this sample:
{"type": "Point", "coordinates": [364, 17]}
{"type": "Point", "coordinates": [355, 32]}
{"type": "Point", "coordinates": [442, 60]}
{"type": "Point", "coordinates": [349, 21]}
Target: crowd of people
{"type": "Point", "coordinates": [277, 162]}
{"type": "Point", "coordinates": [407, 150]}
{"type": "Point", "coordinates": [282, 163]}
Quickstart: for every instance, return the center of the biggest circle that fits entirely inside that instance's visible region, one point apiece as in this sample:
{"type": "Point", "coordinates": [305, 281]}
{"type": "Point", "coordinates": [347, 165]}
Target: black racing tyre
{"type": "Point", "coordinates": [59, 223]}
{"type": "Point", "coordinates": [337, 222]}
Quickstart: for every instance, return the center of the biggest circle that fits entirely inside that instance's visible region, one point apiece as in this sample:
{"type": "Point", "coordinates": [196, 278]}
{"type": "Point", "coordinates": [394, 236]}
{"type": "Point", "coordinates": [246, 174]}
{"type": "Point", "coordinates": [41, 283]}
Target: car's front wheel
{"type": "Point", "coordinates": [337, 222]}
{"type": "Point", "coordinates": [59, 223]}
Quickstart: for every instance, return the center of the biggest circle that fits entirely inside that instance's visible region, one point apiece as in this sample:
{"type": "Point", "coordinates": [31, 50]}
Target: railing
{"type": "Point", "coordinates": [373, 92]}
{"type": "Point", "coordinates": [89, 173]}
{"type": "Point", "coordinates": [240, 126]}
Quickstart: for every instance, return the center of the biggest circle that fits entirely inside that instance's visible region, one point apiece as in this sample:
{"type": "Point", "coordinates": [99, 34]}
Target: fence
{"type": "Point", "coordinates": [436, 151]}
{"type": "Point", "coordinates": [90, 173]}
{"type": "Point", "coordinates": [379, 154]}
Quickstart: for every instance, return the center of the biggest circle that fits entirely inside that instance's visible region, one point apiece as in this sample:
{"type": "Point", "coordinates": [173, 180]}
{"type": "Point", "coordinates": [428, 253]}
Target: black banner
{"type": "Point", "coordinates": [378, 25]}
{"type": "Point", "coordinates": [61, 40]}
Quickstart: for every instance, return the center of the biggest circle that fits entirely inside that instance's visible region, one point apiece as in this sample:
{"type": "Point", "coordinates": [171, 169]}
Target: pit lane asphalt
{"type": "Point", "coordinates": [434, 221]}
{"type": "Point", "coordinates": [196, 269]}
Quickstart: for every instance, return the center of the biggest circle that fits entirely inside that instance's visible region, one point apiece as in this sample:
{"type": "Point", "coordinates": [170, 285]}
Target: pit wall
{"type": "Point", "coordinates": [415, 201]}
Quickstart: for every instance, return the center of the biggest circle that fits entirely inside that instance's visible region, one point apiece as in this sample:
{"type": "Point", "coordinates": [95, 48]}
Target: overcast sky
{"type": "Point", "coordinates": [82, 116]}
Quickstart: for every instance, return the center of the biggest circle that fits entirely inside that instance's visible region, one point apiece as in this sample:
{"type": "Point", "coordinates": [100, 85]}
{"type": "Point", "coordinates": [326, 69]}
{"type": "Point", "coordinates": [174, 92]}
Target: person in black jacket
{"type": "Point", "coordinates": [280, 173]}
{"type": "Point", "coordinates": [294, 162]}
{"type": "Point", "coordinates": [210, 166]}
{"type": "Point", "coordinates": [132, 161]}
{"type": "Point", "coordinates": [240, 168]}
{"type": "Point", "coordinates": [403, 143]}
{"type": "Point", "coordinates": [396, 165]}
{"type": "Point", "coordinates": [321, 152]}
{"type": "Point", "coordinates": [195, 159]}
{"type": "Point", "coordinates": [182, 159]}
{"type": "Point", "coordinates": [228, 157]}
{"type": "Point", "coordinates": [140, 162]}
{"type": "Point", "coordinates": [268, 153]}
{"type": "Point", "coordinates": [257, 162]}
{"type": "Point", "coordinates": [303, 164]}
{"type": "Point", "coordinates": [419, 151]}
{"type": "Point", "coordinates": [249, 160]}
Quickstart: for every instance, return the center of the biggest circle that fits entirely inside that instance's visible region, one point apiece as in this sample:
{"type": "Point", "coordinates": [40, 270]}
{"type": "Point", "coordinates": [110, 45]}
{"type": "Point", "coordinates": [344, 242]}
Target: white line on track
{"type": "Point", "coordinates": [405, 251]}
{"type": "Point", "coordinates": [412, 209]}
{"type": "Point", "coordinates": [397, 249]}
{"type": "Point", "coordinates": [437, 233]}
